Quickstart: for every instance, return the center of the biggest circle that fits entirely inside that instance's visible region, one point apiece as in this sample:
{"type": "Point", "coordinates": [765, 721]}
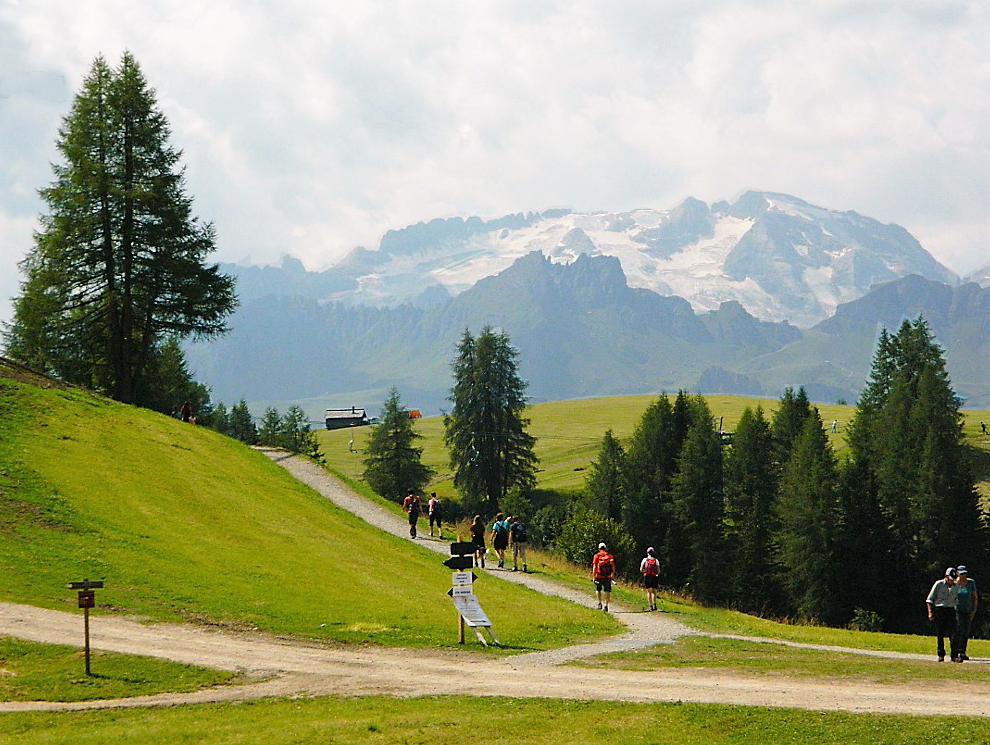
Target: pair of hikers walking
{"type": "Point", "coordinates": [952, 604]}
{"type": "Point", "coordinates": [506, 532]}
{"type": "Point", "coordinates": [603, 572]}
{"type": "Point", "coordinates": [412, 505]}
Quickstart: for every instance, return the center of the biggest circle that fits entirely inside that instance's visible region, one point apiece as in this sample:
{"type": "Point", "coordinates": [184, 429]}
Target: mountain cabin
{"type": "Point", "coordinates": [342, 418]}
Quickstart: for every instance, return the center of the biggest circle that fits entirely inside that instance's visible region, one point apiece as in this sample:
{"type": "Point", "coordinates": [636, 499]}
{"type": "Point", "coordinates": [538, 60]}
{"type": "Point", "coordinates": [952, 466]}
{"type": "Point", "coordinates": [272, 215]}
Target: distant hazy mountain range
{"type": "Point", "coordinates": [583, 328]}
{"type": "Point", "coordinates": [778, 256]}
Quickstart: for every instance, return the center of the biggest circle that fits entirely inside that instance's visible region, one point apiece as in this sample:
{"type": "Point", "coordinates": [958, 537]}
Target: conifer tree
{"type": "Point", "coordinates": [698, 511]}
{"type": "Point", "coordinates": [809, 521]}
{"type": "Point", "coordinates": [788, 421]}
{"type": "Point", "coordinates": [392, 464]}
{"type": "Point", "coordinates": [650, 463]}
{"type": "Point", "coordinates": [270, 431]}
{"type": "Point", "coordinates": [751, 478]}
{"type": "Point", "coordinates": [605, 483]}
{"type": "Point", "coordinates": [220, 419]}
{"type": "Point", "coordinates": [241, 424]}
{"type": "Point", "coordinates": [119, 263]}
{"type": "Point", "coordinates": [912, 474]}
{"type": "Point", "coordinates": [490, 450]}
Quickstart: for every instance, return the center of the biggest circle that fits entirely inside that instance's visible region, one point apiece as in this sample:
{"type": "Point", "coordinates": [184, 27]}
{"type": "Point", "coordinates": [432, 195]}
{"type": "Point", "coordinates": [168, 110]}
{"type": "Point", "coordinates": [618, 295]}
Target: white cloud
{"type": "Point", "coordinates": [311, 127]}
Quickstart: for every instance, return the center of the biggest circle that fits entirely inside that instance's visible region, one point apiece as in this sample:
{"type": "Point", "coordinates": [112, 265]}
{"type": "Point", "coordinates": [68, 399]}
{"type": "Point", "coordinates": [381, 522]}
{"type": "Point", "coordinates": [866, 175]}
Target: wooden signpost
{"type": "Point", "coordinates": [469, 610]}
{"type": "Point", "coordinates": [87, 600]}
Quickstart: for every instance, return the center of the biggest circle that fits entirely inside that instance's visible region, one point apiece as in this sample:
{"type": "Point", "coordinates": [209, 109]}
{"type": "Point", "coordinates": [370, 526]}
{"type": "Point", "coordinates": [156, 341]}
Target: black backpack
{"type": "Point", "coordinates": [519, 533]}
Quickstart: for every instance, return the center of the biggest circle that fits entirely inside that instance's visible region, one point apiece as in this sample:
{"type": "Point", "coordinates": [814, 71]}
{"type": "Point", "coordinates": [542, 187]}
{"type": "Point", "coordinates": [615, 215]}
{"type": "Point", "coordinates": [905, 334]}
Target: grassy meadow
{"type": "Point", "coordinates": [493, 721]}
{"type": "Point", "coordinates": [49, 672]}
{"type": "Point", "coordinates": [569, 434]}
{"type": "Point", "coordinates": [187, 525]}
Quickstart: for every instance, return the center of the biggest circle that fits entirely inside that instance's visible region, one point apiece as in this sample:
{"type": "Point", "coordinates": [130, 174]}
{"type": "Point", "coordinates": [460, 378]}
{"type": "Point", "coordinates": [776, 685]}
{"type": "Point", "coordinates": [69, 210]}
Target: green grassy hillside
{"type": "Point", "coordinates": [185, 524]}
{"type": "Point", "coordinates": [569, 434]}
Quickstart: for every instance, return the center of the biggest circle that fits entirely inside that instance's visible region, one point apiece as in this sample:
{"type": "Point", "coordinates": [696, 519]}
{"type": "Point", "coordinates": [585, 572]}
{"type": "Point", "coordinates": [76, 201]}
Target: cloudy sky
{"type": "Point", "coordinates": [312, 127]}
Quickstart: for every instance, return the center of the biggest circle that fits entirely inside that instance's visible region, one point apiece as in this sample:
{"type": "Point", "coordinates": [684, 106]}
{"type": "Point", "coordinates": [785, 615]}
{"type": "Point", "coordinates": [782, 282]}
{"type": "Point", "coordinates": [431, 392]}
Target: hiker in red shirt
{"type": "Point", "coordinates": [413, 506]}
{"type": "Point", "coordinates": [603, 567]}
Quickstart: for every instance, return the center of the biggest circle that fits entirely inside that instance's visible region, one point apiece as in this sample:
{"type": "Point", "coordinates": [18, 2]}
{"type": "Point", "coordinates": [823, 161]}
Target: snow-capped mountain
{"type": "Point", "coordinates": [778, 256]}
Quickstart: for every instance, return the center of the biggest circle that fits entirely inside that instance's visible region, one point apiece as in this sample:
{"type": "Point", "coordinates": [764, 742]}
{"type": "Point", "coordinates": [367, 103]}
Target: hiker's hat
{"type": "Point", "coordinates": [961, 569]}
{"type": "Point", "coordinates": [601, 545]}
{"type": "Point", "coordinates": [650, 550]}
{"type": "Point", "coordinates": [951, 572]}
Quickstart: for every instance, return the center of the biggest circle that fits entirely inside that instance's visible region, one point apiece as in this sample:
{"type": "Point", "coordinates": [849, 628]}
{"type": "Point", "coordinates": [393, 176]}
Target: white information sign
{"type": "Point", "coordinates": [461, 578]}
{"type": "Point", "coordinates": [470, 610]}
{"type": "Point", "coordinates": [460, 590]}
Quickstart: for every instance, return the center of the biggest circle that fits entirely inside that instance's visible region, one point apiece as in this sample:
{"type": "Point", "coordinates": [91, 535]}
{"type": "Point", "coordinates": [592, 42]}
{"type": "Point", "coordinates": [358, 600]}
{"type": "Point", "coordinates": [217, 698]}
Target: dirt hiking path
{"type": "Point", "coordinates": [291, 667]}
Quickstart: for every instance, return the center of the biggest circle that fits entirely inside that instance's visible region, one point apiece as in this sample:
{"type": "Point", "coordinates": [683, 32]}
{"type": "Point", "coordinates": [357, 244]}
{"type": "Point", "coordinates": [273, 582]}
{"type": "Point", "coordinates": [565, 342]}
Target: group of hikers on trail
{"type": "Point", "coordinates": [412, 505]}
{"type": "Point", "coordinates": [952, 605]}
{"type": "Point", "coordinates": [506, 533]}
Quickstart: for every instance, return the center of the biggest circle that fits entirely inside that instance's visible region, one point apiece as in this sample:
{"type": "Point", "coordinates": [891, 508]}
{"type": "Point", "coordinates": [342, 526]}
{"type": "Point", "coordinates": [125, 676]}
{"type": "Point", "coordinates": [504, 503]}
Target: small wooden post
{"type": "Point", "coordinates": [460, 623]}
{"type": "Point", "coordinates": [86, 621]}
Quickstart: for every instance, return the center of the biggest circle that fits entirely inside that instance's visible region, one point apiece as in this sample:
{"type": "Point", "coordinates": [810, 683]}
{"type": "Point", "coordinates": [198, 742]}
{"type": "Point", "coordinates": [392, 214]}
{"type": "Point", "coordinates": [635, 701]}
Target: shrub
{"type": "Point", "coordinates": [580, 535]}
{"type": "Point", "coordinates": [866, 620]}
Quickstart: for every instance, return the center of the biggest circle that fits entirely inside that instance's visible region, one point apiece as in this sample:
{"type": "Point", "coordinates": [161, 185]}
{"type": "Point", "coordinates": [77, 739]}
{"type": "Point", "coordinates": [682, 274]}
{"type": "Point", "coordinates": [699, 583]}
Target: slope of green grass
{"type": "Point", "coordinates": [448, 720]}
{"type": "Point", "coordinates": [49, 672]}
{"type": "Point", "coordinates": [185, 524]}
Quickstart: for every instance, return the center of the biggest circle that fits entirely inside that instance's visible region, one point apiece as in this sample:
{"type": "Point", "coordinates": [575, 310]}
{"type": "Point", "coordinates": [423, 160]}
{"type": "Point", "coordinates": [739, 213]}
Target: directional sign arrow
{"type": "Point", "coordinates": [86, 585]}
{"type": "Point", "coordinates": [459, 562]}
{"type": "Point", "coordinates": [462, 548]}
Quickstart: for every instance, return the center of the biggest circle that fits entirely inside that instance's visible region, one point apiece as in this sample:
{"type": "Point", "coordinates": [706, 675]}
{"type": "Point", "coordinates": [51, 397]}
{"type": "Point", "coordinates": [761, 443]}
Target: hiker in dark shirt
{"type": "Point", "coordinates": [478, 536]}
{"type": "Point", "coordinates": [517, 539]}
{"type": "Point", "coordinates": [413, 507]}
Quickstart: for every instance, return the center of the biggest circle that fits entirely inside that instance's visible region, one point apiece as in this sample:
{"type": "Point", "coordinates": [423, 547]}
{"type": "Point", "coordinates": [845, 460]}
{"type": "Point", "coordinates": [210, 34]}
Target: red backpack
{"type": "Point", "coordinates": [606, 565]}
{"type": "Point", "coordinates": [652, 568]}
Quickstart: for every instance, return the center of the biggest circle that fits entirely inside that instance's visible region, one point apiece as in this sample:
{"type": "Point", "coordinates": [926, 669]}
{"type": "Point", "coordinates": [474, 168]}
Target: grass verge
{"type": "Point", "coordinates": [768, 658]}
{"type": "Point", "coordinates": [48, 672]}
{"type": "Point", "coordinates": [442, 721]}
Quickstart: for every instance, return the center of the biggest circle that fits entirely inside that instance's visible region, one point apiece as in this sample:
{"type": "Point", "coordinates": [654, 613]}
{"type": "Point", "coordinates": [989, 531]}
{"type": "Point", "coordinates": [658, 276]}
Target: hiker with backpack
{"type": "Point", "coordinates": [413, 506]}
{"type": "Point", "coordinates": [649, 567]}
{"type": "Point", "coordinates": [478, 538]}
{"type": "Point", "coordinates": [603, 568]}
{"type": "Point", "coordinates": [435, 509]}
{"type": "Point", "coordinates": [500, 538]}
{"type": "Point", "coordinates": [517, 539]}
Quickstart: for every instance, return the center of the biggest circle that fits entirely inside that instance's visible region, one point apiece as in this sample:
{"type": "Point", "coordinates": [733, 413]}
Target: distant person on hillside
{"type": "Point", "coordinates": [413, 507]}
{"type": "Point", "coordinates": [649, 567]}
{"type": "Point", "coordinates": [435, 510]}
{"type": "Point", "coordinates": [983, 427]}
{"type": "Point", "coordinates": [967, 601]}
{"type": "Point", "coordinates": [187, 412]}
{"type": "Point", "coordinates": [517, 539]}
{"type": "Point", "coordinates": [603, 569]}
{"type": "Point", "coordinates": [500, 538]}
{"type": "Point", "coordinates": [478, 537]}
{"type": "Point", "coordinates": [942, 612]}
{"type": "Point", "coordinates": [835, 425]}
{"type": "Point", "coordinates": [350, 445]}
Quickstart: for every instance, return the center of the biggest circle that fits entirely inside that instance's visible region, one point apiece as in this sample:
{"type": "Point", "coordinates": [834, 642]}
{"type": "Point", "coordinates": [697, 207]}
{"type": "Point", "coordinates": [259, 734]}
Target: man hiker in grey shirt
{"type": "Point", "coordinates": [942, 611]}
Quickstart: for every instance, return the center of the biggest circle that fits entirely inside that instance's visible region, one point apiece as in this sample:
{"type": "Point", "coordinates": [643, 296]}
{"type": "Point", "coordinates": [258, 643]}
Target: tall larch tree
{"type": "Point", "coordinates": [120, 261]}
{"type": "Point", "coordinates": [486, 434]}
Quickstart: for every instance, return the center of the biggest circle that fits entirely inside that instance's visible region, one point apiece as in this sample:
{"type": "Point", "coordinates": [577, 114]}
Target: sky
{"type": "Point", "coordinates": [311, 127]}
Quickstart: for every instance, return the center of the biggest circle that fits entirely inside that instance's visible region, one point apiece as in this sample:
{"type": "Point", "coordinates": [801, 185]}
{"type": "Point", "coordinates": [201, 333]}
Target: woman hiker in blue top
{"type": "Point", "coordinates": [967, 601]}
{"type": "Point", "coordinates": [500, 538]}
